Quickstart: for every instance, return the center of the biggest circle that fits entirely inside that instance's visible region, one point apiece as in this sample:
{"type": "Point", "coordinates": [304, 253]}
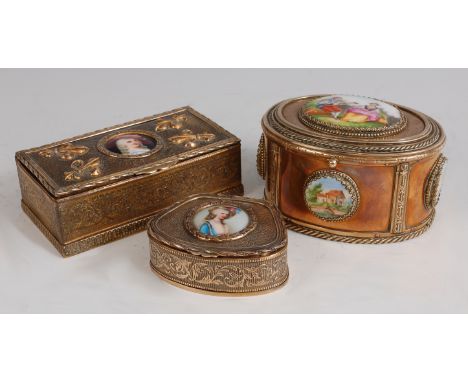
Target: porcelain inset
{"type": "Point", "coordinates": [352, 111]}
{"type": "Point", "coordinates": [220, 220]}
{"type": "Point", "coordinates": [331, 195]}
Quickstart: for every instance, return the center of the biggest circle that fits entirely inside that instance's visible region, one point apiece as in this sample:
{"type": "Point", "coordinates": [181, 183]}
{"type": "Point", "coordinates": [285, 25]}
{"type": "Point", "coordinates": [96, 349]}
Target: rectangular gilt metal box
{"type": "Point", "coordinates": [88, 190]}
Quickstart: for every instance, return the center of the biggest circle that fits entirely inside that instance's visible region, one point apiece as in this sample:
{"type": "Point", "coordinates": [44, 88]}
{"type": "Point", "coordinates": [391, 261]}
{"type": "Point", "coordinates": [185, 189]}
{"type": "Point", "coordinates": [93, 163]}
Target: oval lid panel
{"type": "Point", "coordinates": [352, 116]}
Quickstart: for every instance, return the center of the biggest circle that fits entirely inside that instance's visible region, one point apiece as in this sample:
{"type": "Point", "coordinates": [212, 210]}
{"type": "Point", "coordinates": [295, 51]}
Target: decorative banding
{"type": "Point", "coordinates": [432, 138]}
{"type": "Point", "coordinates": [433, 183]}
{"type": "Point", "coordinates": [359, 132]}
{"type": "Point", "coordinates": [244, 275]}
{"type": "Point", "coordinates": [85, 244]}
{"type": "Point", "coordinates": [261, 157]}
{"type": "Point", "coordinates": [210, 293]}
{"type": "Point", "coordinates": [394, 238]}
{"type": "Point", "coordinates": [192, 155]}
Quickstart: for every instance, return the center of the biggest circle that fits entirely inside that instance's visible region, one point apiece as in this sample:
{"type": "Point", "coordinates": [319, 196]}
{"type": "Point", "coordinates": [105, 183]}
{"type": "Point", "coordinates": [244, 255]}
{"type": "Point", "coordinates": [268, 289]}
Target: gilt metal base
{"type": "Point", "coordinates": [112, 234]}
{"type": "Point", "coordinates": [212, 293]}
{"type": "Point", "coordinates": [371, 238]}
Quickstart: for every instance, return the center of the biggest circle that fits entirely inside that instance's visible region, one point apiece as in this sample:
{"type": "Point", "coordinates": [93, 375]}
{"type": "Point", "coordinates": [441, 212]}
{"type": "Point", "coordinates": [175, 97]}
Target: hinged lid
{"type": "Point", "coordinates": [145, 146]}
{"type": "Point", "coordinates": [352, 116]}
{"type": "Point", "coordinates": [352, 124]}
{"type": "Point", "coordinates": [220, 226]}
{"type": "Point", "coordinates": [221, 245]}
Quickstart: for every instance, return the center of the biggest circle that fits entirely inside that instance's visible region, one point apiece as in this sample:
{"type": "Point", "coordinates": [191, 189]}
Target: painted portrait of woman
{"type": "Point", "coordinates": [219, 222]}
{"type": "Point", "coordinates": [215, 224]}
{"type": "Point", "coordinates": [131, 144]}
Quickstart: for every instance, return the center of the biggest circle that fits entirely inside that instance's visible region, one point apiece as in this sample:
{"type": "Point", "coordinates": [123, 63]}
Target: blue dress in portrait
{"type": "Point", "coordinates": [207, 229]}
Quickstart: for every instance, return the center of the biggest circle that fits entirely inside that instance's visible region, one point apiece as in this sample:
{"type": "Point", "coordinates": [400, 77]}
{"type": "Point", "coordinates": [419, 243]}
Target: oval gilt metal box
{"type": "Point", "coordinates": [350, 168]}
{"type": "Point", "coordinates": [220, 245]}
{"type": "Point", "coordinates": [88, 190]}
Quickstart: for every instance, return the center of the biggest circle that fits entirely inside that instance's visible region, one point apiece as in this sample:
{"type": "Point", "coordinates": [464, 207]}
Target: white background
{"type": "Point", "coordinates": [209, 33]}
{"type": "Point", "coordinates": [427, 274]}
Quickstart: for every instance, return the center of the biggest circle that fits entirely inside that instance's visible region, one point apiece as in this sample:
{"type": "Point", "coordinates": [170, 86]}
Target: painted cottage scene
{"type": "Point", "coordinates": [335, 197]}
{"type": "Point", "coordinates": [328, 198]}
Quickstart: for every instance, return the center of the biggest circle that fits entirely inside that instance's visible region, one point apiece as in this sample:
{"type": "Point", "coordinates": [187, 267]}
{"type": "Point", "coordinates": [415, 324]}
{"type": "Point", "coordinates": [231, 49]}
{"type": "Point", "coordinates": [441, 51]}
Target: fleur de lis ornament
{"type": "Point", "coordinates": [175, 123]}
{"type": "Point", "coordinates": [66, 151]}
{"type": "Point", "coordinates": [191, 140]}
{"type": "Point", "coordinates": [79, 169]}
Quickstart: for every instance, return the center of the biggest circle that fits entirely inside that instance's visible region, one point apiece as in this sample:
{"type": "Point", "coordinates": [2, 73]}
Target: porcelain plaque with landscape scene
{"type": "Point", "coordinates": [331, 195]}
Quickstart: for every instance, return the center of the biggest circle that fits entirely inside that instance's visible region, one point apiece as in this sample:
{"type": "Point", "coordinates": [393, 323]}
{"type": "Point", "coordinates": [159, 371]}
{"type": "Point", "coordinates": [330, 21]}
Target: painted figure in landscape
{"type": "Point", "coordinates": [327, 197]}
{"type": "Point", "coordinates": [352, 111]}
{"type": "Point", "coordinates": [215, 224]}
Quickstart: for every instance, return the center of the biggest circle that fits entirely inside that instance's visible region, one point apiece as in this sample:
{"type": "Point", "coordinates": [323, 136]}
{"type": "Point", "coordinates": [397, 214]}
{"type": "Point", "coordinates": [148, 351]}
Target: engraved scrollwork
{"type": "Point", "coordinates": [111, 205]}
{"type": "Point", "coordinates": [66, 151]}
{"type": "Point", "coordinates": [433, 183]}
{"type": "Point", "coordinates": [220, 275]}
{"type": "Point", "coordinates": [81, 168]}
{"type": "Point", "coordinates": [83, 215]}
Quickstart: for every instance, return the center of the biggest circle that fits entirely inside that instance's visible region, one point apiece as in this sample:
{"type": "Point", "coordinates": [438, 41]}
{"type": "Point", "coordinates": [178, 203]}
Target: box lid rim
{"type": "Point", "coordinates": [158, 166]}
{"type": "Point", "coordinates": [280, 243]}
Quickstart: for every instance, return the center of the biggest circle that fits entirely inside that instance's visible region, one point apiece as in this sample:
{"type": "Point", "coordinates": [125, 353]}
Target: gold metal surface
{"type": "Point", "coordinates": [358, 237]}
{"type": "Point", "coordinates": [79, 169]}
{"type": "Point", "coordinates": [261, 157]}
{"type": "Point", "coordinates": [332, 162]}
{"type": "Point", "coordinates": [49, 172]}
{"type": "Point", "coordinates": [65, 152]}
{"type": "Point", "coordinates": [211, 293]}
{"type": "Point", "coordinates": [274, 155]}
{"type": "Point", "coordinates": [86, 202]}
{"type": "Point", "coordinates": [290, 150]}
{"type": "Point", "coordinates": [433, 183]}
{"type": "Point", "coordinates": [236, 275]}
{"type": "Point", "coordinates": [101, 238]}
{"type": "Point", "coordinates": [384, 151]}
{"type": "Point", "coordinates": [252, 263]}
{"type": "Point", "coordinates": [176, 122]}
{"type": "Point", "coordinates": [190, 140]}
{"type": "Point", "coordinates": [400, 196]}
{"type": "Point", "coordinates": [326, 127]}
